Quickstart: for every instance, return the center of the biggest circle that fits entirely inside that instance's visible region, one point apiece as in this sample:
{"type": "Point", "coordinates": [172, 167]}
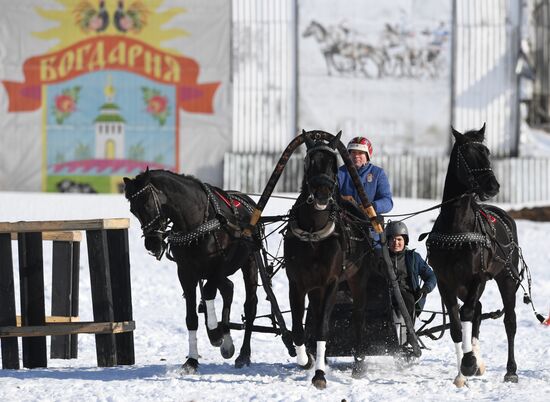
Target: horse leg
{"type": "Point", "coordinates": [357, 286]}
{"type": "Point", "coordinates": [475, 340]}
{"type": "Point", "coordinates": [213, 330]}
{"type": "Point", "coordinates": [192, 322]}
{"type": "Point", "coordinates": [507, 288]}
{"type": "Point", "coordinates": [225, 286]}
{"type": "Point", "coordinates": [324, 299]}
{"type": "Point", "coordinates": [250, 276]}
{"type": "Point", "coordinates": [297, 307]}
{"type": "Point", "coordinates": [451, 303]}
{"type": "Point", "coordinates": [469, 366]}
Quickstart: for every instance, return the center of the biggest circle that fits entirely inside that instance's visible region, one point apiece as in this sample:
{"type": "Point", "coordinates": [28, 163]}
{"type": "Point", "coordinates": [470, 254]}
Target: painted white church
{"type": "Point", "coordinates": [109, 127]}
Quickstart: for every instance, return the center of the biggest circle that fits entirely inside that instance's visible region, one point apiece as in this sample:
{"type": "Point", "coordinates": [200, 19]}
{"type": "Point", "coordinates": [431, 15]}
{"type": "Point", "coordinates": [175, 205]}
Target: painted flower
{"type": "Point", "coordinates": [65, 103]}
{"type": "Point", "coordinates": [157, 104]}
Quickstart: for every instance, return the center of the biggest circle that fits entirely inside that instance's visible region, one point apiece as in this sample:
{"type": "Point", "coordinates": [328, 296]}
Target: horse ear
{"type": "Point", "coordinates": [147, 175]}
{"type": "Point", "coordinates": [482, 129]}
{"type": "Point", "coordinates": [126, 181]}
{"type": "Point", "coordinates": [309, 142]}
{"type": "Point", "coordinates": [458, 135]}
{"type": "Point", "coordinates": [334, 142]}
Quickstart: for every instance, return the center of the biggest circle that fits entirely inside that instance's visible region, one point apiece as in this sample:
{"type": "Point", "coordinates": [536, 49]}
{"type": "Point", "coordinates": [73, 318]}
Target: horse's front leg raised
{"type": "Point", "coordinates": [227, 347]}
{"type": "Point", "coordinates": [214, 331]}
{"type": "Point", "coordinates": [250, 276]}
{"type": "Point", "coordinates": [451, 303]}
{"type": "Point", "coordinates": [469, 363]}
{"type": "Point", "coordinates": [476, 346]}
{"type": "Point", "coordinates": [192, 321]}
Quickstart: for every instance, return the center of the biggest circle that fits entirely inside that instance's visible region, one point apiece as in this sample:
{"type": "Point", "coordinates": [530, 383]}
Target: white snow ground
{"type": "Point", "coordinates": [161, 336]}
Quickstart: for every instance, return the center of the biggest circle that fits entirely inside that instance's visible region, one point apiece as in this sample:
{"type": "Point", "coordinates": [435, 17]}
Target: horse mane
{"type": "Point", "coordinates": [177, 176]}
{"type": "Point", "coordinates": [475, 135]}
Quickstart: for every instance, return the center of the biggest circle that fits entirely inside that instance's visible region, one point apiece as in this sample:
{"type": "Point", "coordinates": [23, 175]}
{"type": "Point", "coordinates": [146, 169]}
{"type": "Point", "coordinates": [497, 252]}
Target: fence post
{"type": "Point", "coordinates": [31, 277]}
{"type": "Point", "coordinates": [62, 287]}
{"type": "Point", "coordinates": [75, 292]}
{"type": "Point", "coordinates": [119, 262]}
{"type": "Point", "coordinates": [102, 297]}
{"type": "Point", "coordinates": [10, 348]}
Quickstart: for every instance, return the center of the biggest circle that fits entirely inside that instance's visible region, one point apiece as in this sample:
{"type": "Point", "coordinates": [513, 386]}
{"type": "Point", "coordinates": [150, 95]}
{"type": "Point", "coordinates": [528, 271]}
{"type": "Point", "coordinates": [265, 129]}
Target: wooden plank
{"type": "Point", "coordinates": [86, 327]}
{"type": "Point", "coordinates": [10, 347]}
{"type": "Point", "coordinates": [119, 263]}
{"type": "Point", "coordinates": [31, 274]}
{"type": "Point", "coordinates": [102, 298]}
{"type": "Point", "coordinates": [73, 235]}
{"type": "Point", "coordinates": [56, 319]}
{"type": "Point", "coordinates": [56, 226]}
{"type": "Point", "coordinates": [75, 295]}
{"type": "Point", "coordinates": [62, 286]}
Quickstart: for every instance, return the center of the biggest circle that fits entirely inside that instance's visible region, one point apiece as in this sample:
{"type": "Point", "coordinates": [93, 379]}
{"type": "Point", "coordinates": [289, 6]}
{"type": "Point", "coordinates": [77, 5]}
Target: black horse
{"type": "Point", "coordinates": [203, 241]}
{"type": "Point", "coordinates": [469, 244]}
{"type": "Point", "coordinates": [320, 252]}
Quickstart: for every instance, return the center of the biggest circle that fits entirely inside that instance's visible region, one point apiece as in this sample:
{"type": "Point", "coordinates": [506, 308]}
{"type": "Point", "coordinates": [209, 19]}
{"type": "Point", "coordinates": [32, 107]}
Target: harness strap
{"type": "Point", "coordinates": [187, 239]}
{"type": "Point", "coordinates": [304, 235]}
{"type": "Point", "coordinates": [450, 241]}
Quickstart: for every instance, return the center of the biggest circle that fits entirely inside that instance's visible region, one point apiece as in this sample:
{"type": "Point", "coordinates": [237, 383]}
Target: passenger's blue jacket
{"type": "Point", "coordinates": [417, 267]}
{"type": "Point", "coordinates": [376, 185]}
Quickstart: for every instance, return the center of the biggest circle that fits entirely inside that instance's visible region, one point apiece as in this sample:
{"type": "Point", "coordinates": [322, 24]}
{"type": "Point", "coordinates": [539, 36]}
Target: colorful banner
{"type": "Point", "coordinates": [110, 99]}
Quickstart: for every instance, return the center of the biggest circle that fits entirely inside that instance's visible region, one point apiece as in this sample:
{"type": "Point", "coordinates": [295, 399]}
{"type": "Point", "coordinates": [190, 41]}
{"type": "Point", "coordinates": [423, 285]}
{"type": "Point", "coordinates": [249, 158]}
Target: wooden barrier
{"type": "Point", "coordinates": [109, 265]}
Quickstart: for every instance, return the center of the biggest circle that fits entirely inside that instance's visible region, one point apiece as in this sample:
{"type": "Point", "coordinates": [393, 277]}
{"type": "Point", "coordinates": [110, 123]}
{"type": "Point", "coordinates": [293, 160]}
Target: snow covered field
{"type": "Point", "coordinates": [161, 336]}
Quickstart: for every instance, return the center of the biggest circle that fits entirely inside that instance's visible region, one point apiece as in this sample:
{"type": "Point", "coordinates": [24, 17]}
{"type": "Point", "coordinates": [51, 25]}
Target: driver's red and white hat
{"type": "Point", "coordinates": [361, 144]}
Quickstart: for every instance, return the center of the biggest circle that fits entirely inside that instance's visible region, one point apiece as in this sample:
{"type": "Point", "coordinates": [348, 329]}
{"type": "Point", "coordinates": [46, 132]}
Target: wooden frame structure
{"type": "Point", "coordinates": [109, 265]}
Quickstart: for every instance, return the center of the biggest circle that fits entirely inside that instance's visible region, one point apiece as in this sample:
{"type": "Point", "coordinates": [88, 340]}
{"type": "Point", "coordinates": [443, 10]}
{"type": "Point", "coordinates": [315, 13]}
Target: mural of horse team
{"type": "Point", "coordinates": [398, 52]}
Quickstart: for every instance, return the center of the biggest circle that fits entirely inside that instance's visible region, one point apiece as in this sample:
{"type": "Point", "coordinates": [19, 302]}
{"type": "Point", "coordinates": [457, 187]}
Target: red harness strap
{"type": "Point", "coordinates": [490, 218]}
{"type": "Point", "coordinates": [236, 203]}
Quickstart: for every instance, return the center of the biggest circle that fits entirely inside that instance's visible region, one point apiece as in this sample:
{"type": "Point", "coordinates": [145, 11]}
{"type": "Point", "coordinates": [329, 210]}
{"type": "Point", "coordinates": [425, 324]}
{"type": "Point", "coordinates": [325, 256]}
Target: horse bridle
{"type": "Point", "coordinates": [147, 226]}
{"type": "Point", "coordinates": [322, 178]}
{"type": "Point", "coordinates": [471, 173]}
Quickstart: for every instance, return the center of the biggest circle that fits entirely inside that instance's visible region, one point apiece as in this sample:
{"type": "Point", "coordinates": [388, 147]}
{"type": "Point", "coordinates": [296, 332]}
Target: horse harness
{"type": "Point", "coordinates": [220, 221]}
{"type": "Point", "coordinates": [484, 236]}
{"type": "Point", "coordinates": [338, 219]}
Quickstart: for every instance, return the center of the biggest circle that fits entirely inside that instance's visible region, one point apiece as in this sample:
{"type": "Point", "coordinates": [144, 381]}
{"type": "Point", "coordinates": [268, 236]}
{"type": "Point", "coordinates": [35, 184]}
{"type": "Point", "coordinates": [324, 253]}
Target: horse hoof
{"type": "Point", "coordinates": [227, 348]}
{"type": "Point", "coordinates": [468, 366]}
{"type": "Point", "coordinates": [242, 361]}
{"type": "Point", "coordinates": [480, 369]}
{"type": "Point", "coordinates": [359, 369]}
{"type": "Point", "coordinates": [215, 336]}
{"type": "Point", "coordinates": [511, 377]}
{"type": "Point", "coordinates": [309, 363]}
{"type": "Point", "coordinates": [319, 380]}
{"type": "Point", "coordinates": [190, 366]}
{"type": "Point", "coordinates": [459, 381]}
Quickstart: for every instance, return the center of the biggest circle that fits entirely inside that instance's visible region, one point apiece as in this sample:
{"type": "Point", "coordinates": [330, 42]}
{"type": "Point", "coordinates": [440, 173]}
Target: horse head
{"type": "Point", "coordinates": [321, 170]}
{"type": "Point", "coordinates": [146, 203]}
{"type": "Point", "coordinates": [315, 29]}
{"type": "Point", "coordinates": [472, 164]}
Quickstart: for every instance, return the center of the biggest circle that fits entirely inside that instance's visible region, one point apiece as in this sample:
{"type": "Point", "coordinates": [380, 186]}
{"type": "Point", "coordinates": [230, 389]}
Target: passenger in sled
{"type": "Point", "coordinates": [415, 277]}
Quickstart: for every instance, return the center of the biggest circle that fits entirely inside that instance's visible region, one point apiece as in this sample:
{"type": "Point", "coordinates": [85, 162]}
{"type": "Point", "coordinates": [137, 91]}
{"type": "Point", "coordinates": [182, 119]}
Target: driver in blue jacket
{"type": "Point", "coordinates": [374, 179]}
{"type": "Point", "coordinates": [410, 268]}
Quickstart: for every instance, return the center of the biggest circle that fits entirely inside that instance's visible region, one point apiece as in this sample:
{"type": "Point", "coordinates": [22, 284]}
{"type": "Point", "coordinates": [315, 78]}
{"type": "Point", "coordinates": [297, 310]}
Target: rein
{"type": "Point", "coordinates": [411, 214]}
